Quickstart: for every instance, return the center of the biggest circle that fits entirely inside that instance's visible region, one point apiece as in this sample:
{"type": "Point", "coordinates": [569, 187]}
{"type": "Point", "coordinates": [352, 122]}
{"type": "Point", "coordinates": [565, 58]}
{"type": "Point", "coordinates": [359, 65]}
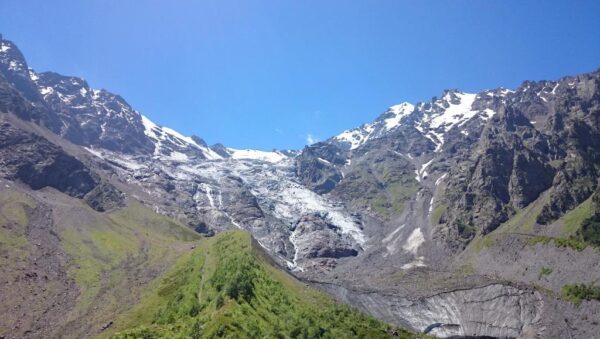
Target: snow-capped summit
{"type": "Point", "coordinates": [432, 119]}
{"type": "Point", "coordinates": [172, 145]}
{"type": "Point", "coordinates": [387, 121]}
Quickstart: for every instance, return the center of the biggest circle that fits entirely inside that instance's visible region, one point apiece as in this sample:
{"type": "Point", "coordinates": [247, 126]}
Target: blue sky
{"type": "Point", "coordinates": [267, 74]}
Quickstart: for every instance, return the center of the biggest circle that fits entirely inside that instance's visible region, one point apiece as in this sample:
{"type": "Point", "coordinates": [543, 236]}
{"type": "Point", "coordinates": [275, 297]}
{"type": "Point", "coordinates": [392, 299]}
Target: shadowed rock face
{"type": "Point", "coordinates": [93, 117]}
{"type": "Point", "coordinates": [104, 197]}
{"type": "Point", "coordinates": [547, 138]}
{"type": "Point", "coordinates": [510, 170]}
{"type": "Point", "coordinates": [316, 167]}
{"type": "Point", "coordinates": [39, 163]}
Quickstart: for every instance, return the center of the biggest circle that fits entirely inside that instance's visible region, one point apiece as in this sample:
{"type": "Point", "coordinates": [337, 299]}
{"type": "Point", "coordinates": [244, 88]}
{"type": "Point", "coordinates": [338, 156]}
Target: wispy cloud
{"type": "Point", "coordinates": [311, 139]}
{"type": "Point", "coordinates": [278, 131]}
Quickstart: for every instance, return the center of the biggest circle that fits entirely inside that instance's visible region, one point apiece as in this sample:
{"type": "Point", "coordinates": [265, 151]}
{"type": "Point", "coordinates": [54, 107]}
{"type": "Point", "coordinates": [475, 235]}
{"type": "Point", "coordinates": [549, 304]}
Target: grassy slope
{"type": "Point", "coordinates": [379, 186]}
{"type": "Point", "coordinates": [115, 254]}
{"type": "Point", "coordinates": [13, 219]}
{"type": "Point", "coordinates": [523, 222]}
{"type": "Point", "coordinates": [572, 220]}
{"type": "Point", "coordinates": [227, 288]}
{"type": "Point", "coordinates": [110, 256]}
{"type": "Point", "coordinates": [563, 233]}
{"type": "Point", "coordinates": [15, 248]}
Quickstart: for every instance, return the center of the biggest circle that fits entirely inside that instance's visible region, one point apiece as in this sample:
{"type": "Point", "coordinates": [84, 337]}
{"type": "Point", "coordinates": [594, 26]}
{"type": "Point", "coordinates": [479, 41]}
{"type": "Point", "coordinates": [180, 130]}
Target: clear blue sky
{"type": "Point", "coordinates": [265, 74]}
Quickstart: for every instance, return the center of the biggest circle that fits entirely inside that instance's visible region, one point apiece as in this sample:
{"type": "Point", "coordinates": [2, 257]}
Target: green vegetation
{"type": "Point", "coordinates": [483, 241]}
{"type": "Point", "coordinates": [381, 186]}
{"type": "Point", "coordinates": [14, 218]}
{"type": "Point", "coordinates": [226, 288]}
{"type": "Point", "coordinates": [465, 270]}
{"type": "Point", "coordinates": [583, 223]}
{"type": "Point", "coordinates": [559, 242]}
{"type": "Point", "coordinates": [14, 208]}
{"type": "Point", "coordinates": [590, 231]}
{"type": "Point", "coordinates": [466, 230]}
{"type": "Point", "coordinates": [112, 251]}
{"type": "Point", "coordinates": [578, 292]}
{"type": "Point", "coordinates": [525, 219]}
{"type": "Point", "coordinates": [391, 201]}
{"type": "Point", "coordinates": [437, 213]}
{"type": "Point", "coordinates": [573, 220]}
{"type": "Point", "coordinates": [590, 227]}
{"type": "Point", "coordinates": [544, 271]}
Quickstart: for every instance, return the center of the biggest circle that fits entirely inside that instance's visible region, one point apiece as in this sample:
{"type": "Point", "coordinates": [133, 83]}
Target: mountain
{"type": "Point", "coordinates": [472, 214]}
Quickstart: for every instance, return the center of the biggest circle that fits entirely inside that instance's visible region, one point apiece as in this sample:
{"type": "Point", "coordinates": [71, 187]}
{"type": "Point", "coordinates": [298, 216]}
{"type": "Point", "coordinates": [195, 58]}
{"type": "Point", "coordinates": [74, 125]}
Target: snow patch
{"type": "Point", "coordinates": [431, 203]}
{"type": "Point", "coordinates": [440, 179]}
{"type": "Point", "coordinates": [414, 241]}
{"type": "Point", "coordinates": [14, 65]}
{"type": "Point", "coordinates": [4, 48]}
{"type": "Point", "coordinates": [357, 136]}
{"type": "Point", "coordinates": [178, 156]}
{"type": "Point", "coordinates": [161, 135]}
{"type": "Point", "coordinates": [95, 152]}
{"type": "Point", "coordinates": [324, 161]}
{"type": "Point", "coordinates": [389, 237]}
{"type": "Point", "coordinates": [418, 262]}
{"type": "Point", "coordinates": [250, 154]}
{"type": "Point", "coordinates": [399, 111]}
{"type": "Point", "coordinates": [391, 241]}
{"type": "Point", "coordinates": [422, 173]}
{"type": "Point", "coordinates": [393, 117]}
{"type": "Point", "coordinates": [34, 77]}
{"type": "Point", "coordinates": [455, 113]}
{"type": "Point", "coordinates": [46, 90]}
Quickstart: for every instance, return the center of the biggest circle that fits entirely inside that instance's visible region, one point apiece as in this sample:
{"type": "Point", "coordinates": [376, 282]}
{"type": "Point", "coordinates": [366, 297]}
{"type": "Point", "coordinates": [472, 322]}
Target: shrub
{"type": "Point", "coordinates": [590, 231]}
{"type": "Point", "coordinates": [544, 271]}
{"type": "Point", "coordinates": [235, 277]}
{"type": "Point", "coordinates": [578, 292]}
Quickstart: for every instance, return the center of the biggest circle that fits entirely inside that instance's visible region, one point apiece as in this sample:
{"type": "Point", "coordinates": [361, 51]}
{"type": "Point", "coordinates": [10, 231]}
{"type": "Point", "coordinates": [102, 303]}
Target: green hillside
{"type": "Point", "coordinates": [226, 288]}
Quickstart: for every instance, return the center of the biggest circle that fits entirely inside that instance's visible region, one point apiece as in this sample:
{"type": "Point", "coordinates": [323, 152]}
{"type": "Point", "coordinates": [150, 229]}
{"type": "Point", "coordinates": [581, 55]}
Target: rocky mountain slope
{"type": "Point", "coordinates": [425, 210]}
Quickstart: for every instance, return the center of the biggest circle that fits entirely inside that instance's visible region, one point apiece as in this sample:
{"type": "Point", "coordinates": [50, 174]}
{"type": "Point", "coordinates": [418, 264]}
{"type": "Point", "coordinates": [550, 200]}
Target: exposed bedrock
{"type": "Point", "coordinates": [495, 310]}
